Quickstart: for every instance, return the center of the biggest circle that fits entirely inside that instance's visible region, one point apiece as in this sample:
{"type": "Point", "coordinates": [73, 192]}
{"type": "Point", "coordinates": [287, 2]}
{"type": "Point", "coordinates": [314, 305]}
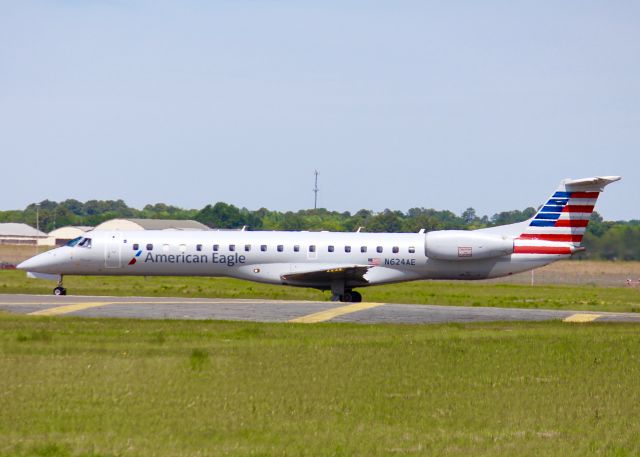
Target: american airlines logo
{"type": "Point", "coordinates": [133, 259]}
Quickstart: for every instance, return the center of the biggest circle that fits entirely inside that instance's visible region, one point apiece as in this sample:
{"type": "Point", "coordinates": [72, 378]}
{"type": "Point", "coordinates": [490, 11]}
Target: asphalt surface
{"type": "Point", "coordinates": [285, 311]}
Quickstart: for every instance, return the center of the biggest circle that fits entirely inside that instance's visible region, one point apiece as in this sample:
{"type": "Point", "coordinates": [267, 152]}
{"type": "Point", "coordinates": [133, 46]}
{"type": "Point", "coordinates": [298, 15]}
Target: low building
{"type": "Point", "coordinates": [62, 235]}
{"type": "Point", "coordinates": [151, 224]}
{"type": "Point", "coordinates": [21, 234]}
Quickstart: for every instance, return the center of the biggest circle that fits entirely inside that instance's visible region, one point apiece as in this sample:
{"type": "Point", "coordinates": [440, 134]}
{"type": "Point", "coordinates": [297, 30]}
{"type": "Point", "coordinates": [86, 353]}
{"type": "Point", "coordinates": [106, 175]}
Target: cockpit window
{"type": "Point", "coordinates": [85, 243]}
{"type": "Point", "coordinates": [74, 241]}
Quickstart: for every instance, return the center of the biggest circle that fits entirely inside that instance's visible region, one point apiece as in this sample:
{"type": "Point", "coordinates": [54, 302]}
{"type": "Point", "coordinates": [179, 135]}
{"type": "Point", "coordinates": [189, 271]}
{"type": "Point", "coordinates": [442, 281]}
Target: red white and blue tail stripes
{"type": "Point", "coordinates": [559, 225]}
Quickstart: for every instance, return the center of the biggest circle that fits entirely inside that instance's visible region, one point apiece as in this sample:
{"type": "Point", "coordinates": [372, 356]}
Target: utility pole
{"type": "Point", "coordinates": [315, 191]}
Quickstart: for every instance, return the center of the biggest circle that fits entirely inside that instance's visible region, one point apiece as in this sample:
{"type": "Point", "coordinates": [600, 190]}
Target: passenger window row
{"type": "Point", "coordinates": [280, 248]}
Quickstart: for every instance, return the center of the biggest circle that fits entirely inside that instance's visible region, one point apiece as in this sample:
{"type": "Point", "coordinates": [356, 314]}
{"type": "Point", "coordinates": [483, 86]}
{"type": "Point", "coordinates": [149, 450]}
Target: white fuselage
{"type": "Point", "coordinates": [272, 257]}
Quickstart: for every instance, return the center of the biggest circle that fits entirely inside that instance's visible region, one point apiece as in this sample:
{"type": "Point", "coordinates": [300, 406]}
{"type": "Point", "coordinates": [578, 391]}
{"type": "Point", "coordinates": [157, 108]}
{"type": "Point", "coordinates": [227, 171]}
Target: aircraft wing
{"type": "Point", "coordinates": [352, 275]}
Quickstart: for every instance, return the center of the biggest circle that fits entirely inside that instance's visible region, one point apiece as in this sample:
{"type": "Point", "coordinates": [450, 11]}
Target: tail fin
{"type": "Point", "coordinates": [559, 225]}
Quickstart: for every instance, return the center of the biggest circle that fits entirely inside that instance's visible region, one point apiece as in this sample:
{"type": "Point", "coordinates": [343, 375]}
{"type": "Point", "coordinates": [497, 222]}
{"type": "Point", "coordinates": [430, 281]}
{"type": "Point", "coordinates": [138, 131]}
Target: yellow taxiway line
{"type": "Point", "coordinates": [58, 310]}
{"type": "Point", "coordinates": [323, 316]}
{"type": "Point", "coordinates": [579, 318]}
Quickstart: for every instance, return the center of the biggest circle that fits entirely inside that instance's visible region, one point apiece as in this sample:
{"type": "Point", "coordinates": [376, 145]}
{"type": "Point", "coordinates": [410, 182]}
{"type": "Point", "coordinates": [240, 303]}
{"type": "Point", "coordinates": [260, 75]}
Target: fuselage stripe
{"type": "Point", "coordinates": [541, 250]}
{"type": "Point", "coordinates": [551, 237]}
{"type": "Point", "coordinates": [548, 216]}
{"type": "Point", "coordinates": [585, 194]}
{"type": "Point", "coordinates": [578, 209]}
{"type": "Point", "coordinates": [561, 194]}
{"type": "Point", "coordinates": [571, 223]}
{"type": "Point", "coordinates": [542, 223]}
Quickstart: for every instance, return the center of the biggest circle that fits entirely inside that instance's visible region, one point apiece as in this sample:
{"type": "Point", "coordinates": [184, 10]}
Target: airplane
{"type": "Point", "coordinates": [335, 261]}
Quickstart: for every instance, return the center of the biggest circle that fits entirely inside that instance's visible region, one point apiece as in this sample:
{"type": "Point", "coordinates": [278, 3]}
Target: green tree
{"type": "Point", "coordinates": [386, 221]}
{"type": "Point", "coordinates": [221, 215]}
{"type": "Point", "coordinates": [469, 216]}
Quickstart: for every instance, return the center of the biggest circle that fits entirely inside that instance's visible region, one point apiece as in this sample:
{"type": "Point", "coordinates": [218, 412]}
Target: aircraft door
{"type": "Point", "coordinates": [112, 252]}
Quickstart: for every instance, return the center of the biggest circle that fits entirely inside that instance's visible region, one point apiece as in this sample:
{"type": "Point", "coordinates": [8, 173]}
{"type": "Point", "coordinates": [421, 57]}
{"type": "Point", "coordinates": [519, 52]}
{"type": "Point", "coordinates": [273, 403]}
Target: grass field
{"type": "Point", "coordinates": [479, 293]}
{"type": "Point", "coordinates": [75, 387]}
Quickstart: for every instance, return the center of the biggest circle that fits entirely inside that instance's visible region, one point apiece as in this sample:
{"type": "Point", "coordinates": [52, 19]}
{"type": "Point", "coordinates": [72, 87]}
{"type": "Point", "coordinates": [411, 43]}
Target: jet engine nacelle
{"type": "Point", "coordinates": [466, 245]}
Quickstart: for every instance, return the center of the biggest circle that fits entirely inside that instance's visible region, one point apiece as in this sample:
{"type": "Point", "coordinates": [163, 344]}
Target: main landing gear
{"type": "Point", "coordinates": [349, 296]}
{"type": "Point", "coordinates": [59, 290]}
{"type": "Point", "coordinates": [339, 292]}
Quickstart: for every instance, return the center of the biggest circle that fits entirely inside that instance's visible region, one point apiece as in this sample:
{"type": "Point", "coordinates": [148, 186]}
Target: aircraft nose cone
{"type": "Point", "coordinates": [29, 264]}
{"type": "Point", "coordinates": [41, 263]}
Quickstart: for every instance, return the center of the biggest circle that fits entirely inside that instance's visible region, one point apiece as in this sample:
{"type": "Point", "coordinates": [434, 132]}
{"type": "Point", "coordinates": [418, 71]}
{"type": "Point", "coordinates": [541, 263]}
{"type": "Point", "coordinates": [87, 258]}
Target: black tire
{"type": "Point", "coordinates": [347, 297]}
{"type": "Point", "coordinates": [59, 291]}
{"type": "Point", "coordinates": [356, 297]}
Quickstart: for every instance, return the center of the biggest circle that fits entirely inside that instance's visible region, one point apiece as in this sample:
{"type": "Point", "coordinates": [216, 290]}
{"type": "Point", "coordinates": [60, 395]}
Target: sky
{"type": "Point", "coordinates": [397, 104]}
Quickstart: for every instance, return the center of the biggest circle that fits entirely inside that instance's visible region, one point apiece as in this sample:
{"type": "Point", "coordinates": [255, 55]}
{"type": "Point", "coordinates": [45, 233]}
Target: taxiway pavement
{"type": "Point", "coordinates": [284, 311]}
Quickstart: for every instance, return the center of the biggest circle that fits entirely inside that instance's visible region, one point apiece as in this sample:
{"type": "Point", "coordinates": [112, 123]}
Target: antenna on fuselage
{"type": "Point", "coordinates": [315, 191]}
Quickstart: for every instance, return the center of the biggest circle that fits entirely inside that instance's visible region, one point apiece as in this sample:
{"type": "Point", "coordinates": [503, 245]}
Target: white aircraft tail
{"type": "Point", "coordinates": [559, 226]}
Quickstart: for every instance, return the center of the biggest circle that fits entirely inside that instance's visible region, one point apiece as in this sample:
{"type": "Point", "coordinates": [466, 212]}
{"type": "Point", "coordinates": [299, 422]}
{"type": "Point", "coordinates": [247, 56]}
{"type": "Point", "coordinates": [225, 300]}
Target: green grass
{"type": "Point", "coordinates": [97, 387]}
{"type": "Point", "coordinates": [583, 297]}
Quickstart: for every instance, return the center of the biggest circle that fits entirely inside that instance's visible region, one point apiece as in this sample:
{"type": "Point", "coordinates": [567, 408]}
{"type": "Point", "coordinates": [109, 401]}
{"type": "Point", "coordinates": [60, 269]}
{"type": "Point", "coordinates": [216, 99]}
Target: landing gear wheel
{"type": "Point", "coordinates": [59, 291]}
{"type": "Point", "coordinates": [356, 297]}
{"type": "Point", "coordinates": [347, 297]}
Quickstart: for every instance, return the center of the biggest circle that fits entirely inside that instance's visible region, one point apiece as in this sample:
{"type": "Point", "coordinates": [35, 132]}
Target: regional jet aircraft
{"type": "Point", "coordinates": [339, 262]}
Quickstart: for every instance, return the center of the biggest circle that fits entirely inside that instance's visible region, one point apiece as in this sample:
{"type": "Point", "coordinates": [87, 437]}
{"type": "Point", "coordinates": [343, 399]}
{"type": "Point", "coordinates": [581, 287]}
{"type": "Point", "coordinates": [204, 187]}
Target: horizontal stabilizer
{"type": "Point", "coordinates": [595, 184]}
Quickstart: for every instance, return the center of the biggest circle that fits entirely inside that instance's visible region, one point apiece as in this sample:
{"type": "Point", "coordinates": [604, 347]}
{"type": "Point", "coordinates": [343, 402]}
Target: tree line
{"type": "Point", "coordinates": [604, 239]}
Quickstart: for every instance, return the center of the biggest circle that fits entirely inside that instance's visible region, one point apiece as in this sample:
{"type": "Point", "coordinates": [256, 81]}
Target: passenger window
{"type": "Point", "coordinates": [379, 249]}
{"type": "Point", "coordinates": [347, 249]}
{"type": "Point", "coordinates": [263, 248]}
{"type": "Point", "coordinates": [330, 248]}
{"type": "Point", "coordinates": [412, 249]}
{"type": "Point", "coordinates": [136, 246]}
{"type": "Point", "coordinates": [198, 247]}
{"type": "Point", "coordinates": [216, 247]}
{"type": "Point", "coordinates": [395, 249]}
{"type": "Point", "coordinates": [280, 248]}
{"type": "Point", "coordinates": [149, 247]}
{"type": "Point", "coordinates": [312, 248]}
{"type": "Point", "coordinates": [232, 247]}
{"type": "Point", "coordinates": [296, 248]}
{"type": "Point", "coordinates": [247, 247]}
{"type": "Point", "coordinates": [363, 249]}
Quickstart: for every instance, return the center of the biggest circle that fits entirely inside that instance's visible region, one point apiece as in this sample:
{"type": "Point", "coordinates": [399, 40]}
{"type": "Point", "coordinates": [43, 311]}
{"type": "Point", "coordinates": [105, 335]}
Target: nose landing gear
{"type": "Point", "coordinates": [59, 290]}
